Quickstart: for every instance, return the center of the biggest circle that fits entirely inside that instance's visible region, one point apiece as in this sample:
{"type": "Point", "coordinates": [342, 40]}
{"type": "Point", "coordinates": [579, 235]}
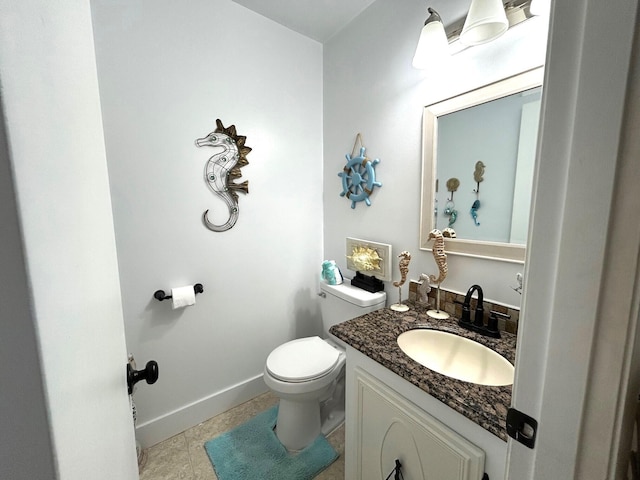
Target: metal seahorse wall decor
{"type": "Point", "coordinates": [223, 168]}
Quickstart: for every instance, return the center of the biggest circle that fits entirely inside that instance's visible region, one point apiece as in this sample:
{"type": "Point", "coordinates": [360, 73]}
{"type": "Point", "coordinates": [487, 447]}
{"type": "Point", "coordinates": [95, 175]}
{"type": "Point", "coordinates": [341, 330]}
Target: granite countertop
{"type": "Point", "coordinates": [374, 334]}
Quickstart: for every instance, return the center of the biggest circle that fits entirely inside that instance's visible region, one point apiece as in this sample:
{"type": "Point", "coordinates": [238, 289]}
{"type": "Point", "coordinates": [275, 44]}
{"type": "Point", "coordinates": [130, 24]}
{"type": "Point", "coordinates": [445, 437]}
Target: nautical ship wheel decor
{"type": "Point", "coordinates": [223, 168]}
{"type": "Point", "coordinates": [359, 177]}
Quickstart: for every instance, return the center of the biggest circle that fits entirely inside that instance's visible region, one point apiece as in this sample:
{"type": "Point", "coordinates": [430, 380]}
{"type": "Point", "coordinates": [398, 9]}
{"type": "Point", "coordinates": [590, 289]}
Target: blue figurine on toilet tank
{"type": "Point", "coordinates": [331, 273]}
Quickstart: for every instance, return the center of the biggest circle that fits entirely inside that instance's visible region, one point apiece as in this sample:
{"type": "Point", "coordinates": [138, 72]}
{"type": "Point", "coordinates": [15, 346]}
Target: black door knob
{"type": "Point", "coordinates": [149, 374]}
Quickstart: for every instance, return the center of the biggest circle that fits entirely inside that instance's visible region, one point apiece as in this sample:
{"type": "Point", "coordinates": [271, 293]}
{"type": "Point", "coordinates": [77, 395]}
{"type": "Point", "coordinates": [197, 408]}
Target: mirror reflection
{"type": "Point", "coordinates": [479, 154]}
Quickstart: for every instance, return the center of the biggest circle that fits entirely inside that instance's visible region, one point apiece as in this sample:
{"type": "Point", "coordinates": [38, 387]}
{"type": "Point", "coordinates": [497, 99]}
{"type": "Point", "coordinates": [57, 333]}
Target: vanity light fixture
{"type": "Point", "coordinates": [433, 41]}
{"type": "Point", "coordinates": [540, 7]}
{"type": "Point", "coordinates": [485, 21]}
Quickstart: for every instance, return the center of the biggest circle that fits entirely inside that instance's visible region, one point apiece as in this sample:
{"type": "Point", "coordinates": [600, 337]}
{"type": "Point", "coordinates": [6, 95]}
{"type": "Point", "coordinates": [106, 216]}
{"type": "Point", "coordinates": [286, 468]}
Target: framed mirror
{"type": "Point", "coordinates": [478, 163]}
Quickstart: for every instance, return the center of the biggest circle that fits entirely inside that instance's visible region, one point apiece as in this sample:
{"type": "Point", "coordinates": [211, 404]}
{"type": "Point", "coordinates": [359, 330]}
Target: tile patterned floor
{"type": "Point", "coordinates": [183, 456]}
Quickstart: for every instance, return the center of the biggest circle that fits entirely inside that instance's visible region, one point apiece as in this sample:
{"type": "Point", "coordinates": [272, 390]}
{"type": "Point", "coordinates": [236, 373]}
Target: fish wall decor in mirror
{"type": "Point", "coordinates": [223, 168]}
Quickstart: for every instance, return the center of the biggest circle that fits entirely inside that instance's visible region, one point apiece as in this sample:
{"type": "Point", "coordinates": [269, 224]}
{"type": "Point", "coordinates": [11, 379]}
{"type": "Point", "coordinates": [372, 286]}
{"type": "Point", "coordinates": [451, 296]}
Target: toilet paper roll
{"type": "Point", "coordinates": [183, 296]}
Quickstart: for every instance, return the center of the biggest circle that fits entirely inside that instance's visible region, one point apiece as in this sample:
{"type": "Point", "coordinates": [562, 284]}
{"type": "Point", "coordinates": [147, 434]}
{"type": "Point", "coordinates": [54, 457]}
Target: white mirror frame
{"type": "Point", "coordinates": [506, 252]}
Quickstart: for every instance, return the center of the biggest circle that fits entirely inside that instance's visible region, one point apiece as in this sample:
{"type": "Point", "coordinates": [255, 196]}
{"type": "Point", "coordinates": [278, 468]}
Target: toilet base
{"type": "Point", "coordinates": [332, 409]}
{"type": "Point", "coordinates": [333, 421]}
{"type": "Point", "coordinates": [298, 423]}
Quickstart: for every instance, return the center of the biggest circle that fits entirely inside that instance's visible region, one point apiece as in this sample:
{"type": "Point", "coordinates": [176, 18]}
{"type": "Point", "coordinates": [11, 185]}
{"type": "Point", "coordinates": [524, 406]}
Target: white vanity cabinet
{"type": "Point", "coordinates": [388, 427]}
{"type": "Point", "coordinates": [387, 419]}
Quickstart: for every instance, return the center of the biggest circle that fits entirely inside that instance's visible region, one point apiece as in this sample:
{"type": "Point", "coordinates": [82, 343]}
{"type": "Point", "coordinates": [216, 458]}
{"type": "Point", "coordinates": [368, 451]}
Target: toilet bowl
{"type": "Point", "coordinates": [303, 373]}
{"type": "Point", "coordinates": [308, 374]}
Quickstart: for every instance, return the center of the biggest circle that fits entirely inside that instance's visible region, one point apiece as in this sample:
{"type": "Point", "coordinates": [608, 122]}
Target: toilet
{"type": "Point", "coordinates": [307, 374]}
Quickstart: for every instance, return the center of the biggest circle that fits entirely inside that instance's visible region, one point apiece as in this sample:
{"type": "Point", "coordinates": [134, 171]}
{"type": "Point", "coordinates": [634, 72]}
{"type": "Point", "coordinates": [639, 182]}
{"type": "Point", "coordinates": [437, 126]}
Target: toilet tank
{"type": "Point", "coordinates": [343, 302]}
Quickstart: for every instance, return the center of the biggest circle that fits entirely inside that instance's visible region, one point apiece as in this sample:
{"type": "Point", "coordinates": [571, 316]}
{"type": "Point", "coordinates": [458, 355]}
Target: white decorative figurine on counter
{"type": "Point", "coordinates": [405, 258]}
{"type": "Point", "coordinates": [424, 288]}
{"type": "Point", "coordinates": [441, 260]}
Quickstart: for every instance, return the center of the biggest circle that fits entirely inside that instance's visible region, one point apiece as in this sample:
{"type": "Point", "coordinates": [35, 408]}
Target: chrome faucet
{"type": "Point", "coordinates": [478, 326]}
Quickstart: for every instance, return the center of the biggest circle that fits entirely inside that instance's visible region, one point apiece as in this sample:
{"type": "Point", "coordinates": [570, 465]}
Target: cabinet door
{"type": "Point", "coordinates": [389, 427]}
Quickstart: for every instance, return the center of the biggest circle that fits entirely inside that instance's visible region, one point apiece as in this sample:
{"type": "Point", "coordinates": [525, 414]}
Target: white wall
{"type": "Point", "coordinates": [370, 87]}
{"type": "Point", "coordinates": [167, 70]}
{"type": "Point", "coordinates": [72, 298]}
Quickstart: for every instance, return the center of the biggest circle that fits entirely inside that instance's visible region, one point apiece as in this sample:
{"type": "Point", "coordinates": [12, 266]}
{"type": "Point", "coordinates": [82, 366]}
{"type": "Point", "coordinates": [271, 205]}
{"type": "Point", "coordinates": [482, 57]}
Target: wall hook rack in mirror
{"type": "Point", "coordinates": [452, 186]}
{"type": "Point", "coordinates": [478, 176]}
{"type": "Point", "coordinates": [160, 295]}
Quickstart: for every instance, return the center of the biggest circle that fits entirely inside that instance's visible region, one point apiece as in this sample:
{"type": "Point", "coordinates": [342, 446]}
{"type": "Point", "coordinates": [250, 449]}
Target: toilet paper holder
{"type": "Point", "coordinates": [160, 295]}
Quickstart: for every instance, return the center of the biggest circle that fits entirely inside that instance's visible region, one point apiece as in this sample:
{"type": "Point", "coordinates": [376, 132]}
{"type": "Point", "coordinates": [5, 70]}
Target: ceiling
{"type": "Point", "coordinates": [316, 19]}
{"type": "Point", "coordinates": [321, 19]}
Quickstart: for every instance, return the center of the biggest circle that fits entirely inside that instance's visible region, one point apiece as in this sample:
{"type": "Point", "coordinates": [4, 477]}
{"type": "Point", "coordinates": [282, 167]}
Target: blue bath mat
{"type": "Point", "coordinates": [252, 451]}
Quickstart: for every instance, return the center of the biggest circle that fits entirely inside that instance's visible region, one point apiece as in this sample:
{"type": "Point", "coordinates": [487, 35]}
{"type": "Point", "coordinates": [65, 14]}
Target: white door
{"type": "Point", "coordinates": [573, 364]}
{"type": "Point", "coordinates": [56, 149]}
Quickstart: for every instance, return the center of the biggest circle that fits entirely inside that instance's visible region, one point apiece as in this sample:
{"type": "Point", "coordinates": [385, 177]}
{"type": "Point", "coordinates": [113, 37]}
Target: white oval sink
{"type": "Point", "coordinates": [456, 357]}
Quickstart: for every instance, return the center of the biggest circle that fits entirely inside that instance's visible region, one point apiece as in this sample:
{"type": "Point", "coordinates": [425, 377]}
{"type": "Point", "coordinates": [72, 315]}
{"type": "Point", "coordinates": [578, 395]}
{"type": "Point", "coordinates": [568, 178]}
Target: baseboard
{"type": "Point", "coordinates": [172, 423]}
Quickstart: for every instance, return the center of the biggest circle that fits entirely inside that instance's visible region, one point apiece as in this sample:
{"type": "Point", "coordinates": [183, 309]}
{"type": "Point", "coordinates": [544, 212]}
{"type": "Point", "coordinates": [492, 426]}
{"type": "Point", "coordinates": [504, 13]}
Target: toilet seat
{"type": "Point", "coordinates": [302, 360]}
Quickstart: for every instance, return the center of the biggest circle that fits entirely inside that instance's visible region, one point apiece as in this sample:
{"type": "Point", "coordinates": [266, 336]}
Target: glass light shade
{"type": "Point", "coordinates": [485, 21]}
{"type": "Point", "coordinates": [540, 7]}
{"type": "Point", "coordinates": [432, 45]}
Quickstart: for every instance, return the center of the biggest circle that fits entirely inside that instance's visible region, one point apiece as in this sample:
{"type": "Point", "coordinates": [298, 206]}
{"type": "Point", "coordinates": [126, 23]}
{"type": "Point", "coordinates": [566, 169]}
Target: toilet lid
{"type": "Point", "coordinates": [303, 359]}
